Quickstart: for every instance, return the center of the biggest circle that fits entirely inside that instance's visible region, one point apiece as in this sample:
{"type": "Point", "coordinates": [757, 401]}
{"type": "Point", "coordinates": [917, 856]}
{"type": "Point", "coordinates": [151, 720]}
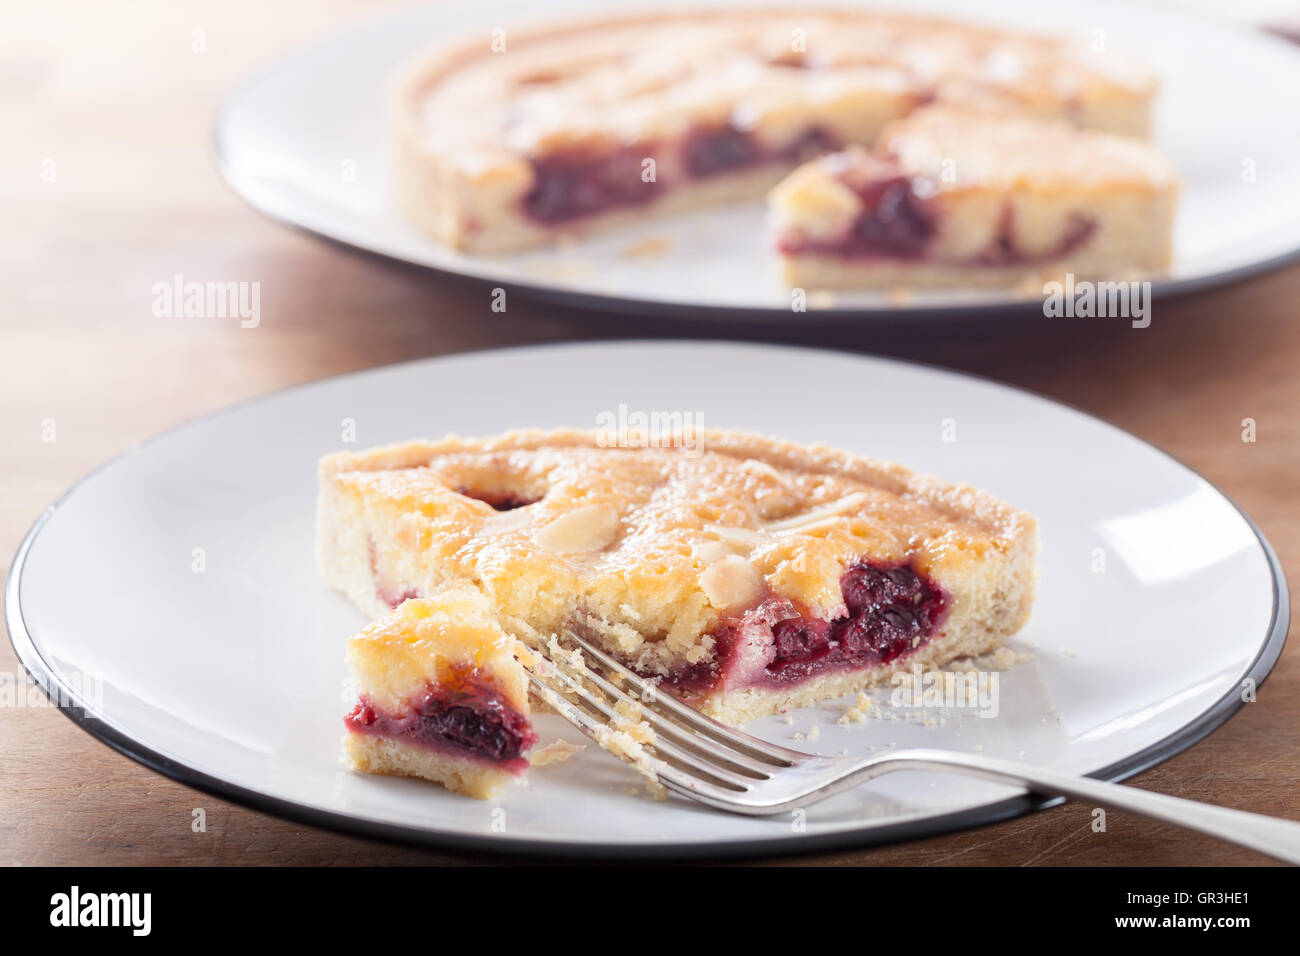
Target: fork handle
{"type": "Point", "coordinates": [1270, 835]}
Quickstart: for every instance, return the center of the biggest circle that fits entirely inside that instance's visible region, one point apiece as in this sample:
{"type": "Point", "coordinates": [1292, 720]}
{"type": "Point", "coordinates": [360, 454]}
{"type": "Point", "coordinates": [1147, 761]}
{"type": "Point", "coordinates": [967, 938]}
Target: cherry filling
{"type": "Point", "coordinates": [709, 151]}
{"type": "Point", "coordinates": [470, 715]}
{"type": "Point", "coordinates": [575, 183]}
{"type": "Point", "coordinates": [572, 184]}
{"type": "Point", "coordinates": [502, 501]}
{"type": "Point", "coordinates": [895, 223]}
{"type": "Point", "coordinates": [891, 611]}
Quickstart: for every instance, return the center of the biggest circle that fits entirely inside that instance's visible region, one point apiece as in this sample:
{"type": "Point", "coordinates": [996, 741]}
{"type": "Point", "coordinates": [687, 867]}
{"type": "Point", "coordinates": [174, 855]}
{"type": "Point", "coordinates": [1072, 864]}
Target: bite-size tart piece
{"type": "Point", "coordinates": [440, 695]}
{"type": "Point", "coordinates": [525, 137]}
{"type": "Point", "coordinates": [745, 574]}
{"type": "Point", "coordinates": [956, 196]}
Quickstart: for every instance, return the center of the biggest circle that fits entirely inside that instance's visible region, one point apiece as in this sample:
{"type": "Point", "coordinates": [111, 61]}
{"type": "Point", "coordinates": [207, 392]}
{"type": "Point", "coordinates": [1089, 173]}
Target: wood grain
{"type": "Point", "coordinates": [121, 104]}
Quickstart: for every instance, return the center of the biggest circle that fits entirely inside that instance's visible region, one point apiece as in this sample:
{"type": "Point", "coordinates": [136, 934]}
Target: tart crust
{"type": "Point", "coordinates": [654, 552]}
{"type": "Point", "coordinates": [392, 757]}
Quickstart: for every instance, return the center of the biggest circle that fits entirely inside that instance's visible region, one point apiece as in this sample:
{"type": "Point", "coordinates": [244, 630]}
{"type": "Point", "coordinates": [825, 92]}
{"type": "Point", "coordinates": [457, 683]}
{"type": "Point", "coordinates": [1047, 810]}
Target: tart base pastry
{"type": "Point", "coordinates": [745, 574]}
{"type": "Point", "coordinates": [953, 196]}
{"type": "Point", "coordinates": [533, 136]}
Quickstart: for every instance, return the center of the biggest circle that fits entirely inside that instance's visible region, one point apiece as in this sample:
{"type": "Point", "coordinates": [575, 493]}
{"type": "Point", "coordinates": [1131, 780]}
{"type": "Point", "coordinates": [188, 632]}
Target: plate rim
{"type": "Point", "coordinates": [70, 703]}
{"type": "Point", "coordinates": [887, 311]}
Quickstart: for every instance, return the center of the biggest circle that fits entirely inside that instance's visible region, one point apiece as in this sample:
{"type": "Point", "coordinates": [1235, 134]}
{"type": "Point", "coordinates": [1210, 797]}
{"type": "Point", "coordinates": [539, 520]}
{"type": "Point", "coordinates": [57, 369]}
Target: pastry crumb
{"type": "Point", "coordinates": [557, 751]}
{"type": "Point", "coordinates": [647, 247]}
{"type": "Point", "coordinates": [864, 707]}
{"type": "Point", "coordinates": [1003, 659]}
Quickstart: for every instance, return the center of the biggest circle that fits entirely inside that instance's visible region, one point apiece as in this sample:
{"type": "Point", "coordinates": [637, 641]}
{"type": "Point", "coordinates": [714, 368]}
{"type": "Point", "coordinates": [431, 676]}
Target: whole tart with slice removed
{"type": "Point", "coordinates": [744, 574]}
{"type": "Point", "coordinates": [528, 137]}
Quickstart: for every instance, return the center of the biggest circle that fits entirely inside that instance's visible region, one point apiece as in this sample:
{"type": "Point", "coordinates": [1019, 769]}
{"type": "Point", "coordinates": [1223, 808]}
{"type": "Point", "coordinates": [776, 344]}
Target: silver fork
{"type": "Point", "coordinates": [707, 761]}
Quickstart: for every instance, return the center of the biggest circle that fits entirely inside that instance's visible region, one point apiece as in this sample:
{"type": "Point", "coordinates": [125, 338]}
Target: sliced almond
{"type": "Point", "coordinates": [818, 516]}
{"type": "Point", "coordinates": [710, 551]}
{"type": "Point", "coordinates": [504, 522]}
{"type": "Point", "coordinates": [731, 582]}
{"type": "Point", "coordinates": [590, 528]}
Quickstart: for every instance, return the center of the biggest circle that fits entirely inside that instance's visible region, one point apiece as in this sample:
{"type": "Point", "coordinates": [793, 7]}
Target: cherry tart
{"type": "Point", "coordinates": [521, 138]}
{"type": "Point", "coordinates": [744, 574]}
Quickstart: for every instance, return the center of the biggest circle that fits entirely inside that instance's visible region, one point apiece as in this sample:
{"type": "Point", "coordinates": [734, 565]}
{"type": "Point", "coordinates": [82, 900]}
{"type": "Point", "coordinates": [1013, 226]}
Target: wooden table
{"type": "Point", "coordinates": [121, 105]}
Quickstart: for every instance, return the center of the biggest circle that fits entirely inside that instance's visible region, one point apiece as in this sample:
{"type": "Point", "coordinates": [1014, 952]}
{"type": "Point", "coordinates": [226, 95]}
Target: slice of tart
{"type": "Point", "coordinates": [745, 574]}
{"type": "Point", "coordinates": [441, 695]}
{"type": "Point", "coordinates": [956, 196]}
{"type": "Point", "coordinates": [527, 137]}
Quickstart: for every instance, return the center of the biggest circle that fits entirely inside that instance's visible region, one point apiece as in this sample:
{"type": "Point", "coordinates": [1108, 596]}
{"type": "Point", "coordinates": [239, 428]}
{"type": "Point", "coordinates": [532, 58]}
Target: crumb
{"type": "Point", "coordinates": [564, 266]}
{"type": "Point", "coordinates": [649, 246]}
{"type": "Point", "coordinates": [630, 722]}
{"type": "Point", "coordinates": [860, 711]}
{"type": "Point", "coordinates": [822, 299]}
{"type": "Point", "coordinates": [811, 735]}
{"type": "Point", "coordinates": [627, 737]}
{"type": "Point", "coordinates": [1003, 659]}
{"type": "Point", "coordinates": [557, 751]}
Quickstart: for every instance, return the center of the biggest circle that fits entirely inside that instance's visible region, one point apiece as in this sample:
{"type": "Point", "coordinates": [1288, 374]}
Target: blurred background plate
{"type": "Point", "coordinates": [305, 142]}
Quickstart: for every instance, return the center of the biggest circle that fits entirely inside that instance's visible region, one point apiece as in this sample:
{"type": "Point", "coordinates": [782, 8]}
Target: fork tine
{"type": "Point", "coordinates": [704, 746]}
{"type": "Point", "coordinates": [595, 729]}
{"type": "Point", "coordinates": [662, 702]}
{"type": "Point", "coordinates": [686, 761]}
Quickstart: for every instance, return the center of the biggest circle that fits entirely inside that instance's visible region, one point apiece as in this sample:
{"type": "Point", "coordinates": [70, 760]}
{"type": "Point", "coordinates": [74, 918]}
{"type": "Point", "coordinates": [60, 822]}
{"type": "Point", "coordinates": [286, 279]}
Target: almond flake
{"type": "Point", "coordinates": [590, 528]}
{"type": "Point", "coordinates": [731, 582]}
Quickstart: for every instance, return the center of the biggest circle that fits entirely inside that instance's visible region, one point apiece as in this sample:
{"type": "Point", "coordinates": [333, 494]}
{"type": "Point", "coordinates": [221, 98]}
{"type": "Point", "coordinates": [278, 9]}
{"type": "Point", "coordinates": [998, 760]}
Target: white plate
{"type": "Point", "coordinates": [232, 678]}
{"type": "Point", "coordinates": [305, 142]}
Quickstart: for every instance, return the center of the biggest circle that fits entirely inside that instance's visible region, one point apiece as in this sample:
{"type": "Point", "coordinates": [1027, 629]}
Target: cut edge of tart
{"type": "Point", "coordinates": [440, 696]}
{"type": "Point", "coordinates": [745, 576]}
{"type": "Point", "coordinates": [974, 197]}
{"type": "Point", "coordinates": [545, 135]}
